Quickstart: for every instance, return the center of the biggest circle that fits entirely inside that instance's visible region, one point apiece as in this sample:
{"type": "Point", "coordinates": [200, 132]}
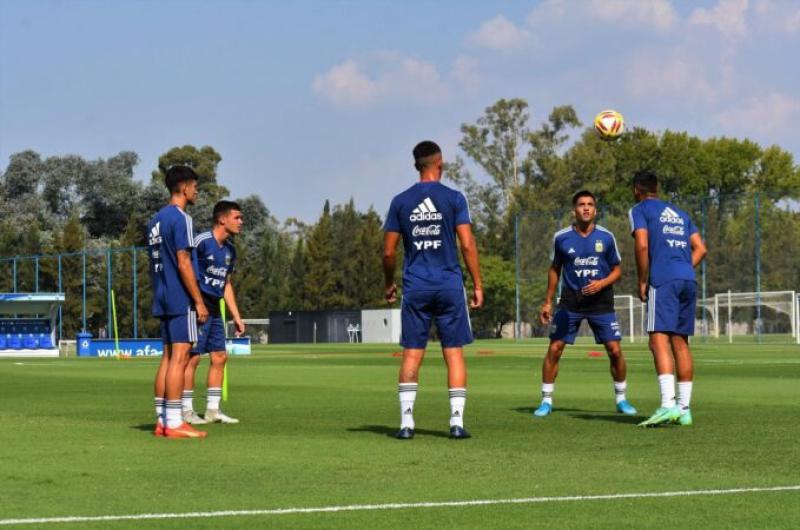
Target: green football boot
{"type": "Point", "coordinates": [685, 418]}
{"type": "Point", "coordinates": [661, 416]}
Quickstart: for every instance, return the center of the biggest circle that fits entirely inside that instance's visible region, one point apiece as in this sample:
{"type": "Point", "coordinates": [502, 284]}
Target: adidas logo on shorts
{"type": "Point", "coordinates": [425, 211]}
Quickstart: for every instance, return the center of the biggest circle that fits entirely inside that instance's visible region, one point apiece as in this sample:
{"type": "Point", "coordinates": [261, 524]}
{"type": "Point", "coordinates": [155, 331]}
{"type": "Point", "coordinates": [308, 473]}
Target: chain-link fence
{"type": "Point", "coordinates": [747, 285]}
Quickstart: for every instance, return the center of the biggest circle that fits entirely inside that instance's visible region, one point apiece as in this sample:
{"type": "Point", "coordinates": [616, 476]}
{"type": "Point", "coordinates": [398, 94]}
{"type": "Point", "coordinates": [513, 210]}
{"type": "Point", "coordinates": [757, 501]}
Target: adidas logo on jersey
{"type": "Point", "coordinates": [425, 211]}
{"type": "Point", "coordinates": [670, 216]}
{"type": "Point", "coordinates": [155, 234]}
{"type": "Point", "coordinates": [571, 251]}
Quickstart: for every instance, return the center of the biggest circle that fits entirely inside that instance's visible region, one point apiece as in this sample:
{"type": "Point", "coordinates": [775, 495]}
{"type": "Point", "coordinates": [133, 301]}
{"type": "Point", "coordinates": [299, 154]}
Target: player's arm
{"type": "Point", "coordinates": [469, 250]}
{"type": "Point", "coordinates": [186, 271]}
{"type": "Point", "coordinates": [553, 273]}
{"type": "Point", "coordinates": [698, 249]}
{"type": "Point", "coordinates": [230, 302]}
{"type": "Point", "coordinates": [641, 253]}
{"type": "Point", "coordinates": [390, 240]}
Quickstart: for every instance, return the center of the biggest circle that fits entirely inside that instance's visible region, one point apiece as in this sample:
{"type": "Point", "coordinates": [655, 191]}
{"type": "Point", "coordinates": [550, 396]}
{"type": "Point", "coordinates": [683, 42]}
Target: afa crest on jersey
{"type": "Point", "coordinates": [598, 246]}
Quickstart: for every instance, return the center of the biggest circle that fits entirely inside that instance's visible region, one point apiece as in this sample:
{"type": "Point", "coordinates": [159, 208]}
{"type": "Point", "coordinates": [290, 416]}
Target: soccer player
{"type": "Point", "coordinates": [668, 247]}
{"type": "Point", "coordinates": [176, 299]}
{"type": "Point", "coordinates": [586, 257]}
{"type": "Point", "coordinates": [429, 217]}
{"type": "Point", "coordinates": [216, 259]}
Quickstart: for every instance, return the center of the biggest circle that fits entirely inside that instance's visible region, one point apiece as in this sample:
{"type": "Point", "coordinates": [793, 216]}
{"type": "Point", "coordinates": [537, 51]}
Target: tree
{"type": "Point", "coordinates": [322, 274]}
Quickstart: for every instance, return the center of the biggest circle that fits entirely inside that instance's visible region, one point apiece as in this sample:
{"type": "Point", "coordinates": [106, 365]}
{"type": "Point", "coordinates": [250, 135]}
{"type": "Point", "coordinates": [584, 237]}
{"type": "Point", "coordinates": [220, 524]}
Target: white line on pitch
{"type": "Point", "coordinates": [394, 506]}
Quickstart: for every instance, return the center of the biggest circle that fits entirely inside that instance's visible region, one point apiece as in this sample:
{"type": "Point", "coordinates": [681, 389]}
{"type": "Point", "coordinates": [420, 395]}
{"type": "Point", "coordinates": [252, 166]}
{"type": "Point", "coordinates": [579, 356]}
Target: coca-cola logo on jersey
{"type": "Point", "coordinates": [430, 230]}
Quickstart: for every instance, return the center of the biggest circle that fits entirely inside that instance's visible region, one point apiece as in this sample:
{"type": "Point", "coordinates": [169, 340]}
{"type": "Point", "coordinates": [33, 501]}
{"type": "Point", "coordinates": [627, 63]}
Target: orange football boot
{"type": "Point", "coordinates": [184, 431]}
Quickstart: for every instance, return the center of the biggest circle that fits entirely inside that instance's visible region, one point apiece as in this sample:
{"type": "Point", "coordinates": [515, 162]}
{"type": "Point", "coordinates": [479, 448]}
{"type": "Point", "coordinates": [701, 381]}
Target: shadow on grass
{"type": "Point", "coordinates": [615, 418]}
{"type": "Point", "coordinates": [149, 427]}
{"type": "Point", "coordinates": [529, 410]}
{"type": "Point", "coordinates": [385, 430]}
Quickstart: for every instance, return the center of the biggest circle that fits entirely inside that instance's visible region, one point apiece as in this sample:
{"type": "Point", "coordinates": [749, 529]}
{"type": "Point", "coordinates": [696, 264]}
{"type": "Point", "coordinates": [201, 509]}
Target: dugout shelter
{"type": "Point", "coordinates": [28, 324]}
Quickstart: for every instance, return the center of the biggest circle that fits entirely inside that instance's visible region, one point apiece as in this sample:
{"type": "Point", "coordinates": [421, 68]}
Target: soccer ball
{"type": "Point", "coordinates": [608, 124]}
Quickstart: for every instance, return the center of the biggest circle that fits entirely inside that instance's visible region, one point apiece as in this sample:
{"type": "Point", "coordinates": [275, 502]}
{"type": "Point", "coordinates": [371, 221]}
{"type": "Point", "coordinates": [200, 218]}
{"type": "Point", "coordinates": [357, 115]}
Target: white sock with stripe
{"type": "Point", "coordinates": [213, 398]}
{"type": "Point", "coordinates": [458, 400]}
{"type": "Point", "coordinates": [174, 418]}
{"type": "Point", "coordinates": [619, 390]}
{"type": "Point", "coordinates": [187, 399]}
{"type": "Point", "coordinates": [407, 393]}
{"type": "Point", "coordinates": [159, 402]}
{"type": "Point", "coordinates": [547, 392]}
{"type": "Point", "coordinates": [667, 384]}
{"type": "Point", "coordinates": [684, 394]}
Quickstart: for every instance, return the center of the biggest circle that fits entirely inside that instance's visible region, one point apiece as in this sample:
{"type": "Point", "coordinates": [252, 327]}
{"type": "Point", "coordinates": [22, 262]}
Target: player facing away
{"type": "Point", "coordinates": [429, 217]}
{"type": "Point", "coordinates": [587, 258]}
{"type": "Point", "coordinates": [176, 299]}
{"type": "Point", "coordinates": [668, 247]}
{"type": "Point", "coordinates": [216, 260]}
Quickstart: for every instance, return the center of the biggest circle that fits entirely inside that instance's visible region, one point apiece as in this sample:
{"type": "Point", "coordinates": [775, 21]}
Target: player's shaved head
{"type": "Point", "coordinates": [426, 154]}
{"type": "Point", "coordinates": [176, 175]}
{"type": "Point", "coordinates": [646, 181]}
{"type": "Point", "coordinates": [581, 194]}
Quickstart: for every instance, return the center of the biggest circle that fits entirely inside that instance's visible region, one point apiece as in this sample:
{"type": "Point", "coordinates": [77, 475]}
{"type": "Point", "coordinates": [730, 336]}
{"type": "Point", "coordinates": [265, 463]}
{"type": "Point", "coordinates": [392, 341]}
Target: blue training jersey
{"type": "Point", "coordinates": [426, 215]}
{"type": "Point", "coordinates": [583, 259]}
{"type": "Point", "coordinates": [668, 231]}
{"type": "Point", "coordinates": [215, 263]}
{"type": "Point", "coordinates": [169, 231]}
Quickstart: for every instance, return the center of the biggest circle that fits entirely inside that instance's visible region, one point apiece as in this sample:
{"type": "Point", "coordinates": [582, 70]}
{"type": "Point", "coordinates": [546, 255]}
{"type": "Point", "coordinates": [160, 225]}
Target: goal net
{"type": "Point", "coordinates": [255, 328]}
{"type": "Point", "coordinates": [769, 314]}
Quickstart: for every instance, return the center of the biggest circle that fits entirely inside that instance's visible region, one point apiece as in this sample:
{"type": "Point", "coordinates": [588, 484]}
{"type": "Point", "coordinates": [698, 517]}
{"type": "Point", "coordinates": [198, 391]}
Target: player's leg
{"type": "Point", "coordinates": [216, 373]}
{"type": "Point", "coordinates": [160, 384]}
{"type": "Point", "coordinates": [680, 349]}
{"type": "Point", "coordinates": [606, 332]}
{"type": "Point", "coordinates": [187, 396]}
{"type": "Point", "coordinates": [563, 331]}
{"type": "Point", "coordinates": [183, 332]}
{"type": "Point", "coordinates": [662, 320]}
{"type": "Point", "coordinates": [455, 330]}
{"type": "Point", "coordinates": [415, 316]}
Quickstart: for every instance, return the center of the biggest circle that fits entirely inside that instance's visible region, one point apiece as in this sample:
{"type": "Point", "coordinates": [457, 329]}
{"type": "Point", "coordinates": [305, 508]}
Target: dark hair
{"type": "Point", "coordinates": [646, 181]}
{"type": "Point", "coordinates": [424, 153]}
{"type": "Point", "coordinates": [223, 208]}
{"type": "Point", "coordinates": [176, 175]}
{"type": "Point", "coordinates": [583, 193]}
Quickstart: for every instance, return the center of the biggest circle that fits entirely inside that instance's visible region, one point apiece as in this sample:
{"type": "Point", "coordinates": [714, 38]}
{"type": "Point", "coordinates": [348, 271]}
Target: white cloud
{"type": "Point", "coordinates": [656, 14]}
{"type": "Point", "coordinates": [499, 34]}
{"type": "Point", "coordinates": [774, 113]}
{"type": "Point", "coordinates": [652, 76]}
{"type": "Point", "coordinates": [792, 22]}
{"type": "Point", "coordinates": [728, 16]}
{"type": "Point", "coordinates": [384, 77]}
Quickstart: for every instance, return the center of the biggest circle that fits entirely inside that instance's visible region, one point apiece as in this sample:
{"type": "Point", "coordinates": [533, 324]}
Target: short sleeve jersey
{"type": "Point", "coordinates": [583, 259]}
{"type": "Point", "coordinates": [215, 263]}
{"type": "Point", "coordinates": [426, 215]}
{"type": "Point", "coordinates": [668, 232]}
{"type": "Point", "coordinates": [169, 231]}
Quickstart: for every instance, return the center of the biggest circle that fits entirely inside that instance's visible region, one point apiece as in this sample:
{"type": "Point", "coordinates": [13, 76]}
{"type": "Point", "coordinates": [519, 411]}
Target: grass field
{"type": "Point", "coordinates": [316, 432]}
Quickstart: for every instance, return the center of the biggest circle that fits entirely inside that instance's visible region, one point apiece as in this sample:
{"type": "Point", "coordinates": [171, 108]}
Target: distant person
{"type": "Point", "coordinates": [668, 247]}
{"type": "Point", "coordinates": [216, 261]}
{"type": "Point", "coordinates": [176, 299]}
{"type": "Point", "coordinates": [586, 257]}
{"type": "Point", "coordinates": [429, 217]}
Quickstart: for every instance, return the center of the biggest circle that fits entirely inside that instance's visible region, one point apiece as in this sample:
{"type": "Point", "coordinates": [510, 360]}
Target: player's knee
{"type": "Point", "coordinates": [555, 351]}
{"type": "Point", "coordinates": [614, 351]}
{"type": "Point", "coordinates": [219, 358]}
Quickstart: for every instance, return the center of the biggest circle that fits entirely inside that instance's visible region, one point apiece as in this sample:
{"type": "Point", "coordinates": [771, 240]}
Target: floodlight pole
{"type": "Point", "coordinates": [83, 284]}
{"type": "Point", "coordinates": [758, 268]}
{"type": "Point", "coordinates": [517, 330]}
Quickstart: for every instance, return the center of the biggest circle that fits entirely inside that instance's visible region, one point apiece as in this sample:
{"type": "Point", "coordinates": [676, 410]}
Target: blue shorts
{"type": "Point", "coordinates": [179, 328]}
{"type": "Point", "coordinates": [566, 323]}
{"type": "Point", "coordinates": [210, 336]}
{"type": "Point", "coordinates": [447, 306]}
{"type": "Point", "coordinates": [671, 307]}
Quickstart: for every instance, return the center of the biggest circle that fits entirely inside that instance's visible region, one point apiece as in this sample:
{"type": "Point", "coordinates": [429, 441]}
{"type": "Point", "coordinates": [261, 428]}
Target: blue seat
{"type": "Point", "coordinates": [29, 342]}
{"type": "Point", "coordinates": [3, 342]}
{"type": "Point", "coordinates": [45, 342]}
{"type": "Point", "coordinates": [15, 342]}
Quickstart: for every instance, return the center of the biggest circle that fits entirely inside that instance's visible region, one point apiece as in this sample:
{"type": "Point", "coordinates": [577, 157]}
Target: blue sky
{"type": "Point", "coordinates": [315, 100]}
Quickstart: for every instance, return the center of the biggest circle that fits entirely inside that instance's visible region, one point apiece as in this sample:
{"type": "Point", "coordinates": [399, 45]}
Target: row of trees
{"type": "Point", "coordinates": [518, 179]}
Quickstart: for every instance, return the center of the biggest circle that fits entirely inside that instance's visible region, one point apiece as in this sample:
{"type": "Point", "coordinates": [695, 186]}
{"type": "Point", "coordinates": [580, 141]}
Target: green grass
{"type": "Point", "coordinates": [316, 425]}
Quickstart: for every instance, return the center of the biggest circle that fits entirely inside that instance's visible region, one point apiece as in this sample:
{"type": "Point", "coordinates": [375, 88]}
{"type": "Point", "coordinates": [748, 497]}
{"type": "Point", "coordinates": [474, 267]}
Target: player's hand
{"type": "Point", "coordinates": [391, 293]}
{"type": "Point", "coordinates": [477, 299]}
{"type": "Point", "coordinates": [237, 322]}
{"type": "Point", "coordinates": [546, 315]}
{"type": "Point", "coordinates": [593, 287]}
{"type": "Point", "coordinates": [202, 312]}
{"type": "Point", "coordinates": [643, 292]}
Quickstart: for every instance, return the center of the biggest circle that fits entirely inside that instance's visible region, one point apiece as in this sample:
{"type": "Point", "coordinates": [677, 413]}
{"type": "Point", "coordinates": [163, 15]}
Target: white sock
{"type": "Point", "coordinates": [619, 390]}
{"type": "Point", "coordinates": [159, 402]}
{"type": "Point", "coordinates": [213, 397]}
{"type": "Point", "coordinates": [547, 392]}
{"type": "Point", "coordinates": [407, 393]}
{"type": "Point", "coordinates": [458, 399]}
{"type": "Point", "coordinates": [186, 400]}
{"type": "Point", "coordinates": [667, 384]}
{"type": "Point", "coordinates": [174, 418]}
{"type": "Point", "coordinates": [684, 394]}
